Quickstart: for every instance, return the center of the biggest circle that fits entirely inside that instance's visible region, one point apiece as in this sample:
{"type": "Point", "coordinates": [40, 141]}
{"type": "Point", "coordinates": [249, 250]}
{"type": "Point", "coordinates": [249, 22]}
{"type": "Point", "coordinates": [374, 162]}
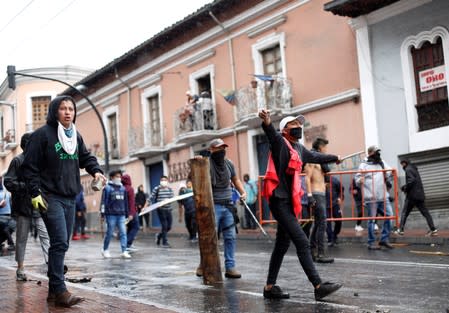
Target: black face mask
{"type": "Point", "coordinates": [218, 156]}
{"type": "Point", "coordinates": [296, 132]}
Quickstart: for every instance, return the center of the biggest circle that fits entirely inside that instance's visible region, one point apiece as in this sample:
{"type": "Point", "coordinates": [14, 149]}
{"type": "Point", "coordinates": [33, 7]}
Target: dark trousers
{"type": "Point", "coordinates": [145, 217]}
{"type": "Point", "coordinates": [166, 220]}
{"type": "Point", "coordinates": [409, 204]}
{"type": "Point", "coordinates": [190, 220]}
{"type": "Point", "coordinates": [359, 213]}
{"type": "Point", "coordinates": [59, 220]}
{"type": "Point", "coordinates": [80, 223]}
{"type": "Point", "coordinates": [289, 229]}
{"type": "Point", "coordinates": [132, 230]}
{"type": "Point", "coordinates": [249, 220]}
{"type": "Point", "coordinates": [332, 235]}
{"type": "Point", "coordinates": [319, 224]}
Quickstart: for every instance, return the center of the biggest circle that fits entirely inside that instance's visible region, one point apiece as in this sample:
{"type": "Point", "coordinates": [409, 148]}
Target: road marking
{"type": "Point", "coordinates": [395, 263]}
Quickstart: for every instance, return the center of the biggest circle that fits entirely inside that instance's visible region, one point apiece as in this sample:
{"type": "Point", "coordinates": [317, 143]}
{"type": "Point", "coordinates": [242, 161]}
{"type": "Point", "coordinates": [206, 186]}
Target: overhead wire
{"type": "Point", "coordinates": [15, 16]}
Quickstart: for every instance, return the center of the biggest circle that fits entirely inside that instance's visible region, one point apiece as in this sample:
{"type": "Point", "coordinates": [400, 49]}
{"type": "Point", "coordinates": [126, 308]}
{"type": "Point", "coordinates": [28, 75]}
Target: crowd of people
{"type": "Point", "coordinates": [43, 192]}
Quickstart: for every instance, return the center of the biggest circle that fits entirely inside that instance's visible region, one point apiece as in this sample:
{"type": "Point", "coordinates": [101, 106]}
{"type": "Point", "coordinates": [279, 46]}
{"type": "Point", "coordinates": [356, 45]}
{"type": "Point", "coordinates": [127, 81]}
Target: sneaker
{"type": "Point", "coordinates": [125, 255]}
{"type": "Point", "coordinates": [358, 228]}
{"type": "Point", "coordinates": [166, 245]}
{"type": "Point", "coordinates": [232, 273]}
{"type": "Point", "coordinates": [321, 258]}
{"type": "Point", "coordinates": [432, 232]}
{"type": "Point", "coordinates": [373, 247]}
{"type": "Point", "coordinates": [199, 272]}
{"type": "Point", "coordinates": [11, 247]}
{"type": "Point", "coordinates": [20, 275]}
{"type": "Point", "coordinates": [85, 236]}
{"type": "Point", "coordinates": [376, 228]}
{"type": "Point", "coordinates": [275, 293]}
{"type": "Point", "coordinates": [131, 249]}
{"type": "Point", "coordinates": [106, 254]}
{"type": "Point", "coordinates": [76, 237]}
{"type": "Point", "coordinates": [157, 239]}
{"type": "Point", "coordinates": [326, 289]}
{"type": "Point", "coordinates": [386, 244]}
{"type": "Point", "coordinates": [399, 232]}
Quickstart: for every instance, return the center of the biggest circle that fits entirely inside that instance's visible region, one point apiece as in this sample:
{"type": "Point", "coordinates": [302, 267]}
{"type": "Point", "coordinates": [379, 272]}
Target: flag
{"type": "Point", "coordinates": [265, 78]}
{"type": "Point", "coordinates": [228, 95]}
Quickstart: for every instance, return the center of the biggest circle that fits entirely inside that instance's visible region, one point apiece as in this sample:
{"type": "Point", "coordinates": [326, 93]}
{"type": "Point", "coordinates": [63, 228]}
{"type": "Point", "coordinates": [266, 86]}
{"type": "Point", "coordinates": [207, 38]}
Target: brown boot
{"type": "Point", "coordinates": [66, 299]}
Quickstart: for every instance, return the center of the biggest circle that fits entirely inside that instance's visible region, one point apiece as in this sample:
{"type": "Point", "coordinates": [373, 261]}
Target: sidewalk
{"type": "Point", "coordinates": [30, 297]}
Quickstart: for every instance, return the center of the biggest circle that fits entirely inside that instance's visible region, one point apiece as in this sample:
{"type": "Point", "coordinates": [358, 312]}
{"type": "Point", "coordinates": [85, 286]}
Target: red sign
{"type": "Point", "coordinates": [432, 78]}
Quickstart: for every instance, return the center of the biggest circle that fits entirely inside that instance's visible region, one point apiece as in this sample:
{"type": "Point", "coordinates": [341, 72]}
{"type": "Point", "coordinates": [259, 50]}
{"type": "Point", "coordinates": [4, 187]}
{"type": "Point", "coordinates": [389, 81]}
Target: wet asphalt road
{"type": "Point", "coordinates": [373, 281]}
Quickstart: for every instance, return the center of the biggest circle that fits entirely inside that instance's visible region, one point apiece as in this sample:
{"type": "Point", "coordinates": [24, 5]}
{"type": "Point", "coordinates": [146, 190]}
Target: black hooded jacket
{"type": "Point", "coordinates": [48, 169]}
{"type": "Point", "coordinates": [413, 185]}
{"type": "Point", "coordinates": [15, 183]}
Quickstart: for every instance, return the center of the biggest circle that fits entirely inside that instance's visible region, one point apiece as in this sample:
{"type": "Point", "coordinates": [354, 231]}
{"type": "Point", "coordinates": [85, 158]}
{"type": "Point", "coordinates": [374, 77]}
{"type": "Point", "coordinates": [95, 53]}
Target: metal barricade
{"type": "Point", "coordinates": [349, 206]}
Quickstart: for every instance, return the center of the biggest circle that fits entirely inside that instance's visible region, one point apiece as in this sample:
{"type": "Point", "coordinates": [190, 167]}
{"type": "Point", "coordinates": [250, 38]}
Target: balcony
{"type": "Point", "coordinates": [274, 95]}
{"type": "Point", "coordinates": [144, 142]}
{"type": "Point", "coordinates": [195, 125]}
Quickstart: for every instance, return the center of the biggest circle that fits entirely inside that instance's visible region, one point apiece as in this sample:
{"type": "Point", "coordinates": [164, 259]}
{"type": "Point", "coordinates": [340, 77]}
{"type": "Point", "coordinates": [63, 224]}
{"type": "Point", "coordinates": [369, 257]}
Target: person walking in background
{"type": "Point", "coordinates": [141, 202]}
{"type": "Point", "coordinates": [133, 221]}
{"type": "Point", "coordinates": [334, 199]}
{"type": "Point", "coordinates": [187, 209]}
{"type": "Point", "coordinates": [316, 194]}
{"type": "Point", "coordinates": [357, 196]}
{"type": "Point", "coordinates": [115, 209]}
{"type": "Point", "coordinates": [251, 198]}
{"type": "Point", "coordinates": [160, 193]}
{"type": "Point", "coordinates": [282, 189]}
{"type": "Point", "coordinates": [54, 156]}
{"type": "Point", "coordinates": [223, 177]}
{"type": "Point", "coordinates": [80, 218]}
{"type": "Point", "coordinates": [23, 211]}
{"type": "Point", "coordinates": [7, 223]}
{"type": "Point", "coordinates": [414, 196]}
{"type": "Point", "coordinates": [375, 195]}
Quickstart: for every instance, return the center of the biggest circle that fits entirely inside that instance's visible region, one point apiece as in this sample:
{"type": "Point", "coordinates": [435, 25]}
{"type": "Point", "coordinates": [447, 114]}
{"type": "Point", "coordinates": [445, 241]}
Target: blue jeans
{"type": "Point", "coordinates": [166, 220]}
{"type": "Point", "coordinates": [59, 220]}
{"type": "Point", "coordinates": [133, 228]}
{"type": "Point", "coordinates": [225, 223]}
{"type": "Point", "coordinates": [113, 221]}
{"type": "Point", "coordinates": [383, 210]}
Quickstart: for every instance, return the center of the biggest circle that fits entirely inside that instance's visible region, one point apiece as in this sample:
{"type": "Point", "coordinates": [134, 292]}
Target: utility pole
{"type": "Point", "coordinates": [11, 70]}
{"type": "Point", "coordinates": [205, 218]}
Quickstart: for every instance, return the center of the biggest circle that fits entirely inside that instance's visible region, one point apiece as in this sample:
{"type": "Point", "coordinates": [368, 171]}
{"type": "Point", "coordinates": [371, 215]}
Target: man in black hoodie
{"type": "Point", "coordinates": [23, 211]}
{"type": "Point", "coordinates": [414, 191]}
{"type": "Point", "coordinates": [53, 158]}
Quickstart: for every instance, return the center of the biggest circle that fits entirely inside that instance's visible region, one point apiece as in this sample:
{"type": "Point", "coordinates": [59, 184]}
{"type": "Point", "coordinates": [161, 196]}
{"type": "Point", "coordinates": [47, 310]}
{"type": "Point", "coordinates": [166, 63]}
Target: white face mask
{"type": "Point", "coordinates": [164, 183]}
{"type": "Point", "coordinates": [117, 181]}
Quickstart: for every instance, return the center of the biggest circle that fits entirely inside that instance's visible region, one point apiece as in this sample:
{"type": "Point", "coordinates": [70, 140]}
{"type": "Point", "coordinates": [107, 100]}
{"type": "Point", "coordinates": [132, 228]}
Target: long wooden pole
{"type": "Point", "coordinates": [205, 218]}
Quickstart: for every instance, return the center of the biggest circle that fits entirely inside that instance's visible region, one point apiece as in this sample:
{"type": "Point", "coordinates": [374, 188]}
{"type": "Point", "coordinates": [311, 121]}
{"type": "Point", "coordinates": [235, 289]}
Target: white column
{"type": "Point", "coordinates": [366, 81]}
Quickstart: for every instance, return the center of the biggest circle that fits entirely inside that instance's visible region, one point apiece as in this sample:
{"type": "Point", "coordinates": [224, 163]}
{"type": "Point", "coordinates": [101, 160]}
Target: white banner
{"type": "Point", "coordinates": [432, 78]}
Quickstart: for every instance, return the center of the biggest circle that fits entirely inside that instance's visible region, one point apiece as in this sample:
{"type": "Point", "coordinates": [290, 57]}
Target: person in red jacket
{"type": "Point", "coordinates": [282, 188]}
{"type": "Point", "coordinates": [133, 220]}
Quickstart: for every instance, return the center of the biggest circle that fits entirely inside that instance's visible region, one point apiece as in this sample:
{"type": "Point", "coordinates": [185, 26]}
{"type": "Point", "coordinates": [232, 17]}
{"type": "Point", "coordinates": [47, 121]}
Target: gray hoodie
{"type": "Point", "coordinates": [374, 187]}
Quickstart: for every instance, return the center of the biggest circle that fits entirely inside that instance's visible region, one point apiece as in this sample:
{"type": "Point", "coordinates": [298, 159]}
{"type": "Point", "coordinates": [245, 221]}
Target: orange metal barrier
{"type": "Point", "coordinates": [349, 210]}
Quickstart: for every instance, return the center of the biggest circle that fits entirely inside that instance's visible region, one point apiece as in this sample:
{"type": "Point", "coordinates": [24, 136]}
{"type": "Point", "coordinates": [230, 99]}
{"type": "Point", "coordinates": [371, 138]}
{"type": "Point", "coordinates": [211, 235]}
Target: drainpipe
{"type": "Point", "coordinates": [128, 87]}
{"type": "Point", "coordinates": [233, 80]}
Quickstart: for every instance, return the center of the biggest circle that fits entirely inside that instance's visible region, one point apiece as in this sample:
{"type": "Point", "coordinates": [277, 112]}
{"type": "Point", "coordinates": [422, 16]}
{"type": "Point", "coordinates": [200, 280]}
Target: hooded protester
{"type": "Point", "coordinates": [54, 156]}
{"type": "Point", "coordinates": [375, 183]}
{"type": "Point", "coordinates": [23, 211]}
{"type": "Point", "coordinates": [133, 221]}
{"type": "Point", "coordinates": [414, 196]}
{"type": "Point", "coordinates": [282, 189]}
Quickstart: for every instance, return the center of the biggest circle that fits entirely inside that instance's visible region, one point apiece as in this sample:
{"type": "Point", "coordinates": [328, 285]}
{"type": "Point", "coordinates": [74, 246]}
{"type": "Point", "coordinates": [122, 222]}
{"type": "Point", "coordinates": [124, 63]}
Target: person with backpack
{"type": "Point", "coordinates": [160, 193]}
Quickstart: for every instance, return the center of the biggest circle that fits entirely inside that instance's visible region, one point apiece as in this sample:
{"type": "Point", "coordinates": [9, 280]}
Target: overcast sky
{"type": "Point", "coordinates": [84, 33]}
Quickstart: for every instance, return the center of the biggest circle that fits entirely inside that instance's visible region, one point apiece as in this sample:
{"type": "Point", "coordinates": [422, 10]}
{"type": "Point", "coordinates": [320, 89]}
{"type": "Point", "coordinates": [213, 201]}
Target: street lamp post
{"type": "Point", "coordinates": [106, 149]}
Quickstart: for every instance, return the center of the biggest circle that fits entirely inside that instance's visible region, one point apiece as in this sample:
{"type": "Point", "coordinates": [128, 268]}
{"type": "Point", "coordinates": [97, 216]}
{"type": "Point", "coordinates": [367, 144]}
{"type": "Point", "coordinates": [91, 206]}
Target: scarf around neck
{"type": "Point", "coordinates": [271, 180]}
{"type": "Point", "coordinates": [68, 138]}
